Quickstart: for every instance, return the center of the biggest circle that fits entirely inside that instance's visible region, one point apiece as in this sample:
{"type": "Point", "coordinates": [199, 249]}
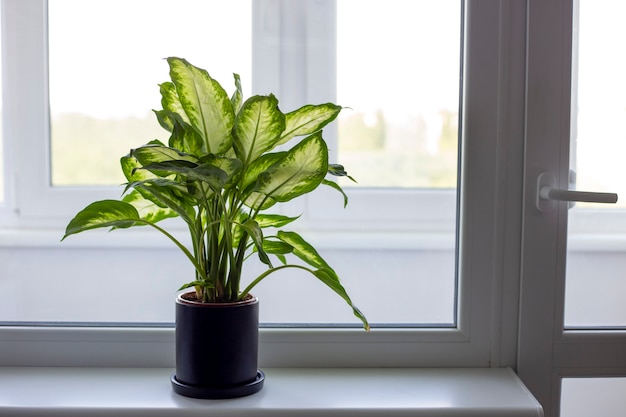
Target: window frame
{"type": "Point", "coordinates": [548, 351]}
{"type": "Point", "coordinates": [490, 228]}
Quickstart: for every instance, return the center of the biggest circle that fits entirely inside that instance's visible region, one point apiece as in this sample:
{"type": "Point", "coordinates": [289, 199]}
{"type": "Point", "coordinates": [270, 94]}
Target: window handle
{"type": "Point", "coordinates": [548, 194]}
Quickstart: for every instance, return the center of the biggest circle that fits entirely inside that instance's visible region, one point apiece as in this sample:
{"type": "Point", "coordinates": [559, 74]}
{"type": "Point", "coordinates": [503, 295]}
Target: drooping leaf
{"type": "Point", "coordinates": [299, 172]}
{"type": "Point", "coordinates": [334, 185]}
{"type": "Point", "coordinates": [302, 249]}
{"type": "Point", "coordinates": [105, 213]}
{"type": "Point", "coordinates": [329, 278]}
{"type": "Point", "coordinates": [251, 227]}
{"type": "Point", "coordinates": [306, 252]}
{"type": "Point", "coordinates": [308, 119]}
{"type": "Point", "coordinates": [258, 127]}
{"type": "Point", "coordinates": [205, 103]}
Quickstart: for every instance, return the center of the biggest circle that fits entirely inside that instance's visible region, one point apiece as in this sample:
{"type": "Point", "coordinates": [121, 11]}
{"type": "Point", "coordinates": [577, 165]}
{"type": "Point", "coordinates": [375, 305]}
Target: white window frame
{"type": "Point", "coordinates": [547, 352]}
{"type": "Point", "coordinates": [487, 313]}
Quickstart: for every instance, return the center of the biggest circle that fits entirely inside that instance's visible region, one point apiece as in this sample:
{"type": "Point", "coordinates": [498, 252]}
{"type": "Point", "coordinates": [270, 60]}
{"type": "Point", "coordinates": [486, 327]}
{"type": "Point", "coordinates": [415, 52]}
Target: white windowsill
{"type": "Point", "coordinates": [47, 391]}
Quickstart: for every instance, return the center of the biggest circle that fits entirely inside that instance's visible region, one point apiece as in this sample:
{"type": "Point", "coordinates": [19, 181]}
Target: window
{"type": "Point", "coordinates": [478, 330]}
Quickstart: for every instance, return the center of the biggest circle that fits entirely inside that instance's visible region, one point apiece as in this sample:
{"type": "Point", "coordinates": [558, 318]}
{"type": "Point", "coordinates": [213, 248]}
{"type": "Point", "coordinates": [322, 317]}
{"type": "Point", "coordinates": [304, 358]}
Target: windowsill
{"type": "Point", "coordinates": [46, 391]}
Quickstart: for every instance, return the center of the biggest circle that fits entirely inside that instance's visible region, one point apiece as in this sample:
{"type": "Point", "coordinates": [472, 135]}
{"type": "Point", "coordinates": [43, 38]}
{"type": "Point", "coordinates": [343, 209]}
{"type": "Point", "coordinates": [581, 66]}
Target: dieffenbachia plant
{"type": "Point", "coordinates": [219, 173]}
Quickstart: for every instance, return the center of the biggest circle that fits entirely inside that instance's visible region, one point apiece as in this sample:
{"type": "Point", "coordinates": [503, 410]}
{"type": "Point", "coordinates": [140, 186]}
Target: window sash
{"type": "Point", "coordinates": [547, 352]}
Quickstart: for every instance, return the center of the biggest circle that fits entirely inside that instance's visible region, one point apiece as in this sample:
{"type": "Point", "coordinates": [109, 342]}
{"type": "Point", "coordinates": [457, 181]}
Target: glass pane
{"type": "Point", "coordinates": [398, 70]}
{"type": "Point", "coordinates": [106, 61]}
{"type": "Point", "coordinates": [595, 288]}
{"type": "Point", "coordinates": [585, 397]}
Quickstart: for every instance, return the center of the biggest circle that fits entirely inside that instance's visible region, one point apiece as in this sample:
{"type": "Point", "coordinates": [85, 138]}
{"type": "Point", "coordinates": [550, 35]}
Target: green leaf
{"type": "Point", "coordinates": [105, 213]}
{"type": "Point", "coordinates": [171, 102]}
{"type": "Point", "coordinates": [329, 278]}
{"type": "Point", "coordinates": [301, 171]}
{"type": "Point", "coordinates": [273, 220]}
{"type": "Point", "coordinates": [130, 166]}
{"type": "Point", "coordinates": [258, 127]}
{"type": "Point", "coordinates": [252, 228]}
{"type": "Point", "coordinates": [237, 98]}
{"type": "Point", "coordinates": [165, 119]}
{"type": "Point", "coordinates": [167, 168]}
{"type": "Point", "coordinates": [205, 103]}
{"type": "Point", "coordinates": [185, 137]}
{"type": "Point", "coordinates": [255, 199]}
{"type": "Point", "coordinates": [308, 119]}
{"type": "Point", "coordinates": [168, 193]}
{"type": "Point", "coordinates": [147, 209]}
{"type": "Point", "coordinates": [303, 249]}
{"type": "Point", "coordinates": [339, 171]}
{"type": "Point", "coordinates": [153, 153]}
{"type": "Point", "coordinates": [231, 166]}
{"type": "Point", "coordinates": [276, 247]}
{"type": "Point", "coordinates": [203, 284]}
{"type": "Point", "coordinates": [258, 166]}
{"type": "Point", "coordinates": [334, 185]}
{"type": "Point", "coordinates": [323, 272]}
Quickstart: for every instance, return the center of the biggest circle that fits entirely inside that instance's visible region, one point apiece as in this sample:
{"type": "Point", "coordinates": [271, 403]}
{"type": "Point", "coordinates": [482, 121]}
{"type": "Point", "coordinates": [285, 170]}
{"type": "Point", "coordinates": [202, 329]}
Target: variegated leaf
{"type": "Point", "coordinates": [306, 252]}
{"type": "Point", "coordinates": [300, 171]}
{"type": "Point", "coordinates": [150, 154]}
{"type": "Point", "coordinates": [274, 220]}
{"type": "Point", "coordinates": [147, 209]}
{"type": "Point", "coordinates": [105, 213]}
{"type": "Point", "coordinates": [205, 103]}
{"type": "Point", "coordinates": [308, 119]}
{"type": "Point", "coordinates": [237, 98]}
{"type": "Point", "coordinates": [171, 102]}
{"type": "Point", "coordinates": [258, 127]}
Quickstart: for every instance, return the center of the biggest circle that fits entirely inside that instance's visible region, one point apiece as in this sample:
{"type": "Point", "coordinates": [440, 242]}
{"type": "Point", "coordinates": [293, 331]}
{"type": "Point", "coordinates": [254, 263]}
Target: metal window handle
{"type": "Point", "coordinates": [548, 194]}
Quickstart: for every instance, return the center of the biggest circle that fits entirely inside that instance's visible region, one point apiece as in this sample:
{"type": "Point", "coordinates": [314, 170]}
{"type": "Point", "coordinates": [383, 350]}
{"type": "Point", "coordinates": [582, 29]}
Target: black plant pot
{"type": "Point", "coordinates": [216, 348]}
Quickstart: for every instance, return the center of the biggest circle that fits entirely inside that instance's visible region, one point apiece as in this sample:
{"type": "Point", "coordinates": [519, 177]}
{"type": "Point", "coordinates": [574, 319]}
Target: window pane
{"type": "Point", "coordinates": [422, 274]}
{"type": "Point", "coordinates": [595, 287]}
{"type": "Point", "coordinates": [398, 70]}
{"type": "Point", "coordinates": [584, 397]}
{"type": "Point", "coordinates": [106, 61]}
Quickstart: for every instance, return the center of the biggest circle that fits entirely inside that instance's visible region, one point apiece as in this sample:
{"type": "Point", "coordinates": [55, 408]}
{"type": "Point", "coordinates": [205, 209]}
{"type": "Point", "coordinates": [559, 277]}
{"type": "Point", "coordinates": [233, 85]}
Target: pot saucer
{"type": "Point", "coordinates": [213, 393]}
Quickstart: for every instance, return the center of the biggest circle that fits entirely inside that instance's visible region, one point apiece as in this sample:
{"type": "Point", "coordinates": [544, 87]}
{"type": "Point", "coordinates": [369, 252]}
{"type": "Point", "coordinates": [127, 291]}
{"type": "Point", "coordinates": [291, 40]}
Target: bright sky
{"type": "Point", "coordinates": [105, 57]}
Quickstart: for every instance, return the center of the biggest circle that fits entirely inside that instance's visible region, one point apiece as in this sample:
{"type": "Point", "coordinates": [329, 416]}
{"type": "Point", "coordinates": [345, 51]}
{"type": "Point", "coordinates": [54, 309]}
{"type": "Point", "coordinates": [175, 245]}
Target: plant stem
{"type": "Point", "coordinates": [177, 243]}
{"type": "Point", "coordinates": [268, 272]}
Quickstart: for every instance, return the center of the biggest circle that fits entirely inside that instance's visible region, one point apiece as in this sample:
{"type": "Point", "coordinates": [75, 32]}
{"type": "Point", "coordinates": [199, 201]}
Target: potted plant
{"type": "Point", "coordinates": [220, 173]}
